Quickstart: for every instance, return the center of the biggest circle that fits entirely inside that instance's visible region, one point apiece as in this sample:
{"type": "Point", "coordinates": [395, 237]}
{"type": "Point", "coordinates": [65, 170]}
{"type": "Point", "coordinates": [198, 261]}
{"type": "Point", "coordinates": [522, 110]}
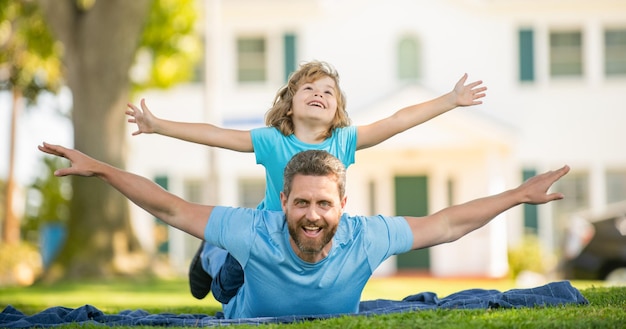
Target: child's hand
{"type": "Point", "coordinates": [466, 95]}
{"type": "Point", "coordinates": [143, 118]}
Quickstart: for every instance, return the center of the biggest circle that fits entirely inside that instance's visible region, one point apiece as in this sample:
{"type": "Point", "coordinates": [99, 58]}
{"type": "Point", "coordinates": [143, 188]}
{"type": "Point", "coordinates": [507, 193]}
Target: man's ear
{"type": "Point", "coordinates": [343, 201]}
{"type": "Point", "coordinates": [283, 200]}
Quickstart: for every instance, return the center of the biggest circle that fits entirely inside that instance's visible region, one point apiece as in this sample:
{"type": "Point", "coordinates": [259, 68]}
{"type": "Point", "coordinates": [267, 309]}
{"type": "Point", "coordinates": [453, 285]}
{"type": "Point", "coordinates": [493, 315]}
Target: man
{"type": "Point", "coordinates": [310, 259]}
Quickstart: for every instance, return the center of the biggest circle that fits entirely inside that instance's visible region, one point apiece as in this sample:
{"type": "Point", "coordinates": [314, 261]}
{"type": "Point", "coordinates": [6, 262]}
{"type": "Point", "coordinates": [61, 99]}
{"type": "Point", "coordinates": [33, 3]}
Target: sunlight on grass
{"type": "Point", "coordinates": [399, 287]}
{"type": "Point", "coordinates": [108, 295]}
{"type": "Point", "coordinates": [170, 294]}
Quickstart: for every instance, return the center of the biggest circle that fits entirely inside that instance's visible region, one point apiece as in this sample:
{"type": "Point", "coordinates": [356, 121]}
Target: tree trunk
{"type": "Point", "coordinates": [11, 225]}
{"type": "Point", "coordinates": [100, 44]}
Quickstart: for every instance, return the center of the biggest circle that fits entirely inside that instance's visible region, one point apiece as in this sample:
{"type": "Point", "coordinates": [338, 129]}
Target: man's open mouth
{"type": "Point", "coordinates": [311, 231]}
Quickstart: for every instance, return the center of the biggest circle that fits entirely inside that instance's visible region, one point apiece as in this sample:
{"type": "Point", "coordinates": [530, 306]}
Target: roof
{"type": "Point", "coordinates": [461, 127]}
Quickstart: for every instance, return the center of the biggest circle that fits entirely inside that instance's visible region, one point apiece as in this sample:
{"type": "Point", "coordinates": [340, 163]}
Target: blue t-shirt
{"type": "Point", "coordinates": [273, 150]}
{"type": "Point", "coordinates": [280, 283]}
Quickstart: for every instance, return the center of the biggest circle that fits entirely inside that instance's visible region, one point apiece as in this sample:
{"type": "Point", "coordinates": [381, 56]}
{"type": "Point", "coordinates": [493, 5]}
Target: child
{"type": "Point", "coordinates": [308, 113]}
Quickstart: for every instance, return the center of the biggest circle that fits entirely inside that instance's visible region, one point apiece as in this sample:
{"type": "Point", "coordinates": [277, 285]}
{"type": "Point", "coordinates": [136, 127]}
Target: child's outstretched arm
{"type": "Point", "coordinates": [201, 133]}
{"type": "Point", "coordinates": [411, 116]}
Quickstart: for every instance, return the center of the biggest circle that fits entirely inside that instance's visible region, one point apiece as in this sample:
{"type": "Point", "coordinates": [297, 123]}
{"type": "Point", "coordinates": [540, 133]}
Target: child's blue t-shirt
{"type": "Point", "coordinates": [273, 150]}
{"type": "Point", "coordinates": [279, 283]}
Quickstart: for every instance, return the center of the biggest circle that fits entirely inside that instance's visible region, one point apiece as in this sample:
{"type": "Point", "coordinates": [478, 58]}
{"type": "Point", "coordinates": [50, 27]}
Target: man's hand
{"type": "Point", "coordinates": [80, 164]}
{"type": "Point", "coordinates": [535, 189]}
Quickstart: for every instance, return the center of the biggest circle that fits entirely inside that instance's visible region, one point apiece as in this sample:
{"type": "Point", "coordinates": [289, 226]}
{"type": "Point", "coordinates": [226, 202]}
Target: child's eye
{"type": "Point", "coordinates": [329, 92]}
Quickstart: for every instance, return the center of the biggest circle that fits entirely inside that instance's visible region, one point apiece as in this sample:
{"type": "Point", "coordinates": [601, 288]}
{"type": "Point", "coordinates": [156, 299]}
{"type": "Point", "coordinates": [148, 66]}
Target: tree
{"type": "Point", "coordinates": [100, 40]}
{"type": "Point", "coordinates": [29, 65]}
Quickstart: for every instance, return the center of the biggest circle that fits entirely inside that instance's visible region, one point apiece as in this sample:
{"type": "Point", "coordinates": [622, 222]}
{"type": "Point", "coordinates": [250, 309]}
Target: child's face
{"type": "Point", "coordinates": [316, 100]}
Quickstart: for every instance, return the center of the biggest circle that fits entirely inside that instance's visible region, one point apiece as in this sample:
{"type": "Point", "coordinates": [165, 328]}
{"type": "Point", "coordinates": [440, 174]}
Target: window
{"type": "Point", "coordinates": [193, 190]}
{"type": "Point", "coordinates": [371, 197]}
{"type": "Point", "coordinates": [251, 192]}
{"type": "Point", "coordinates": [251, 60]}
{"type": "Point", "coordinates": [576, 186]}
{"type": "Point", "coordinates": [616, 185]}
{"type": "Point", "coordinates": [409, 67]}
{"type": "Point", "coordinates": [566, 57]}
{"type": "Point", "coordinates": [526, 55]}
{"type": "Point", "coordinates": [615, 52]}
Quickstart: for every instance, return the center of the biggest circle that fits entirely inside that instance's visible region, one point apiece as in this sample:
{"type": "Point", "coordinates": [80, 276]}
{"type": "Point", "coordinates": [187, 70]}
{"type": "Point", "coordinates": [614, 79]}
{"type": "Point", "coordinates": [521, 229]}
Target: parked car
{"type": "Point", "coordinates": [595, 246]}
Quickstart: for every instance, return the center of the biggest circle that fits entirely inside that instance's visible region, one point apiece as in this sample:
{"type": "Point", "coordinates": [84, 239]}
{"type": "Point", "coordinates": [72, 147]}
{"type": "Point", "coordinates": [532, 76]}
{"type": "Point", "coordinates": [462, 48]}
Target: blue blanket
{"type": "Point", "coordinates": [552, 294]}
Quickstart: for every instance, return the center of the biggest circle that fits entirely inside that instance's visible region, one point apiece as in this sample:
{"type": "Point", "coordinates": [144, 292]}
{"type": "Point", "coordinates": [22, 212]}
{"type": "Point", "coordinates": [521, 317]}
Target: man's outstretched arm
{"type": "Point", "coordinates": [455, 222]}
{"type": "Point", "coordinates": [186, 216]}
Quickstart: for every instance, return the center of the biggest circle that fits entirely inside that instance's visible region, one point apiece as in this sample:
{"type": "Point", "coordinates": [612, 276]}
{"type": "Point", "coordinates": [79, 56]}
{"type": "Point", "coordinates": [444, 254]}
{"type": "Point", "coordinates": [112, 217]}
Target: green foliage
{"type": "Point", "coordinates": [29, 55]}
{"type": "Point", "coordinates": [48, 198]}
{"type": "Point", "coordinates": [3, 191]}
{"type": "Point", "coordinates": [19, 264]}
{"type": "Point", "coordinates": [527, 256]}
{"type": "Point", "coordinates": [170, 46]}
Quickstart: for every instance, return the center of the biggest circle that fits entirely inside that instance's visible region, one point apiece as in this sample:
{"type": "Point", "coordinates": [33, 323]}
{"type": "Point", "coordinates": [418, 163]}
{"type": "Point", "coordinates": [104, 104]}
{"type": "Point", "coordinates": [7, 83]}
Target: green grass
{"type": "Point", "coordinates": [607, 307]}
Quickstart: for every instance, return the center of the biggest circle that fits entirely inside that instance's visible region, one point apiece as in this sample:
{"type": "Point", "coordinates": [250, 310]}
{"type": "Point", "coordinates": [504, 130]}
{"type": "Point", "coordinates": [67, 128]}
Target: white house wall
{"type": "Point", "coordinates": [153, 155]}
{"type": "Point", "coordinates": [541, 125]}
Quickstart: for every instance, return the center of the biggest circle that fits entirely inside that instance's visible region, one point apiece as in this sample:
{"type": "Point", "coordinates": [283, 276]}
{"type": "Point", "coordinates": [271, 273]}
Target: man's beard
{"type": "Point", "coordinates": [306, 244]}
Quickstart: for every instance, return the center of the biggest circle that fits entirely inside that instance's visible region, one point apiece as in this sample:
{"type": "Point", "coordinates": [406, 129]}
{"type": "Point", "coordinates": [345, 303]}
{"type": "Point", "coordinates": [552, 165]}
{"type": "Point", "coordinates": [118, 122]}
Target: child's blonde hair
{"type": "Point", "coordinates": [279, 115]}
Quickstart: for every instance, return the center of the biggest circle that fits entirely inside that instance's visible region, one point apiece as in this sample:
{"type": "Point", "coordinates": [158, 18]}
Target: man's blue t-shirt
{"type": "Point", "coordinates": [277, 282]}
{"type": "Point", "coordinates": [273, 150]}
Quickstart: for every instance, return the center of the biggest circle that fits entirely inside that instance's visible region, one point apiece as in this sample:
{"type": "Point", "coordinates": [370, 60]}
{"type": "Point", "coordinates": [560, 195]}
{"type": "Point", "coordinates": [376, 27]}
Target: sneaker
{"type": "Point", "coordinates": [228, 280]}
{"type": "Point", "coordinates": [199, 279]}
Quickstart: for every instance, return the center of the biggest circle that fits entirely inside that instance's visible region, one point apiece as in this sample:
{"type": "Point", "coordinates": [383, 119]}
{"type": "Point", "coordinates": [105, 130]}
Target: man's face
{"type": "Point", "coordinates": [313, 210]}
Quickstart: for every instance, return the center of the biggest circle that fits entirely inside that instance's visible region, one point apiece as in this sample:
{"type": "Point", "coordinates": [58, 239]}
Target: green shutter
{"type": "Point", "coordinates": [162, 240]}
{"type": "Point", "coordinates": [290, 54]}
{"type": "Point", "coordinates": [162, 181]}
{"type": "Point", "coordinates": [531, 217]}
{"type": "Point", "coordinates": [526, 56]}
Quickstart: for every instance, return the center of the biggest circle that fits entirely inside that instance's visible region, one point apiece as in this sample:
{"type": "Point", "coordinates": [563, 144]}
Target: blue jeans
{"type": "Point", "coordinates": [225, 270]}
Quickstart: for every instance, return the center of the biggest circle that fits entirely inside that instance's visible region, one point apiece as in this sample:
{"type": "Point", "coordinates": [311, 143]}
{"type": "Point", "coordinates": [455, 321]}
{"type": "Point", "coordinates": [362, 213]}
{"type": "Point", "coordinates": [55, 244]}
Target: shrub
{"type": "Point", "coordinates": [527, 256]}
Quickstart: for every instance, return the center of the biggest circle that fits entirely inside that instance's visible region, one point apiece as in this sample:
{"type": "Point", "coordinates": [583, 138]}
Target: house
{"type": "Point", "coordinates": [556, 73]}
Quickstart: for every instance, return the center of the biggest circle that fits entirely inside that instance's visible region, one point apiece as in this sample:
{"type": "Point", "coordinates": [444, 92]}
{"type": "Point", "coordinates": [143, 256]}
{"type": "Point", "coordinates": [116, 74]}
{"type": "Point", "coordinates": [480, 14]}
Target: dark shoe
{"type": "Point", "coordinates": [228, 280]}
{"type": "Point", "coordinates": [199, 279]}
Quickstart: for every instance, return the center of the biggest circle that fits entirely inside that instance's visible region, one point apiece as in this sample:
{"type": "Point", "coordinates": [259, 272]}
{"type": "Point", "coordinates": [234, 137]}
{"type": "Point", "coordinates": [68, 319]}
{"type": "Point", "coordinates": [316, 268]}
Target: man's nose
{"type": "Point", "coordinates": [312, 214]}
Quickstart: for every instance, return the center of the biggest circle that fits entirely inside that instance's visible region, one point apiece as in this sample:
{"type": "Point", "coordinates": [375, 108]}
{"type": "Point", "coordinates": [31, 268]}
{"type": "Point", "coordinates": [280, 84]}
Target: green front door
{"type": "Point", "coordinates": [412, 200]}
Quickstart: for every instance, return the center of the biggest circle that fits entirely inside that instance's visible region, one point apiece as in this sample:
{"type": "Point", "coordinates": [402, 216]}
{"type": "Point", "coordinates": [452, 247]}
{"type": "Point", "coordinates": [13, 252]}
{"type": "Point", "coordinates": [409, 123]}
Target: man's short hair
{"type": "Point", "coordinates": [315, 163]}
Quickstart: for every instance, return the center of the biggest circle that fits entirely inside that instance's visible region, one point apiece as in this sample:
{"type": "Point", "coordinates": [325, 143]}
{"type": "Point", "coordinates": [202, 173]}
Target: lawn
{"type": "Point", "coordinates": [607, 307]}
